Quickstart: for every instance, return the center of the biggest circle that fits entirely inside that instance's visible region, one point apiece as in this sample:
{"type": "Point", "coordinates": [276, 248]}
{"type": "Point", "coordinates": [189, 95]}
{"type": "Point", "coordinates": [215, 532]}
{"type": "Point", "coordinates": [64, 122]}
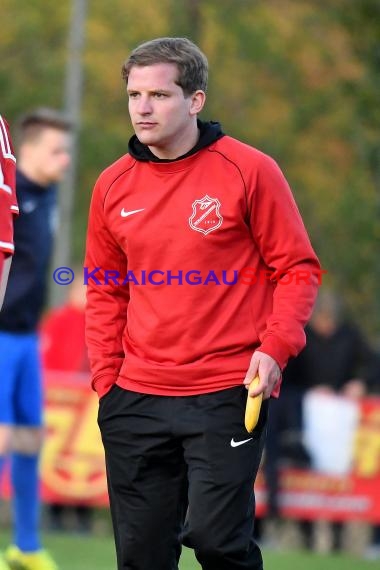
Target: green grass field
{"type": "Point", "coordinates": [97, 553]}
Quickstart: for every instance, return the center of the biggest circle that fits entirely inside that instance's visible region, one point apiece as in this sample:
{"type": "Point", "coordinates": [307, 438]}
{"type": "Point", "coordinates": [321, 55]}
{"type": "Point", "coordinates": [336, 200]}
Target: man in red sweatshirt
{"type": "Point", "coordinates": [194, 250]}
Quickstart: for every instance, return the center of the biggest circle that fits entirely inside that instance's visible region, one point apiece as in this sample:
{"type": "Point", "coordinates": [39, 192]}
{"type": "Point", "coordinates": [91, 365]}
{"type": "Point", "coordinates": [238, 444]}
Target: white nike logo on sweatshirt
{"type": "Point", "coordinates": [124, 214]}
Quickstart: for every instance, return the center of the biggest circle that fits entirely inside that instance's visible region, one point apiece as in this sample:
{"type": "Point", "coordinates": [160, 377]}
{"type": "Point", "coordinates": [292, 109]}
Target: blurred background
{"type": "Point", "coordinates": [299, 79]}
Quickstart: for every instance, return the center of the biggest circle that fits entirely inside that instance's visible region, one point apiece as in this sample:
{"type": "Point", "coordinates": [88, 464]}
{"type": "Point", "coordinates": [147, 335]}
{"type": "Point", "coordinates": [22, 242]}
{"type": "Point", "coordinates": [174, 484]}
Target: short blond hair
{"type": "Point", "coordinates": [191, 62]}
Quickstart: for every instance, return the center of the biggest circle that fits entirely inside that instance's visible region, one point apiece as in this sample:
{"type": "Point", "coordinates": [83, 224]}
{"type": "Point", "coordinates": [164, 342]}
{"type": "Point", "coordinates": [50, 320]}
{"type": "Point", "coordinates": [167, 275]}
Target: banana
{"type": "Point", "coordinates": [252, 408]}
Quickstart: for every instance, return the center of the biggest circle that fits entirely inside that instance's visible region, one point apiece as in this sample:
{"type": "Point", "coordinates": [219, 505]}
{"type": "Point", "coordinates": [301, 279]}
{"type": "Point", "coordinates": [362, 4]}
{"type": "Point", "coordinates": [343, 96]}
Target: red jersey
{"type": "Point", "coordinates": [8, 201]}
{"type": "Point", "coordinates": [62, 340]}
{"type": "Point", "coordinates": [156, 229]}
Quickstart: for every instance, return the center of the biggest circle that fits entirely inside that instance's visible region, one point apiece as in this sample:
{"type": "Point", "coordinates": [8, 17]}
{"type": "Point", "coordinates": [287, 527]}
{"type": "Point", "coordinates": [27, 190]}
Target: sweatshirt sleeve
{"type": "Point", "coordinates": [8, 201]}
{"type": "Point", "coordinates": [107, 302]}
{"type": "Point", "coordinates": [285, 248]}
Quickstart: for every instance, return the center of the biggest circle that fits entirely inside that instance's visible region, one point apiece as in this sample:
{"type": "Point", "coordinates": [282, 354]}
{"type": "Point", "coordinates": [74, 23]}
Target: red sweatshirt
{"type": "Point", "coordinates": [8, 201]}
{"type": "Point", "coordinates": [225, 208]}
{"type": "Point", "coordinates": [62, 339]}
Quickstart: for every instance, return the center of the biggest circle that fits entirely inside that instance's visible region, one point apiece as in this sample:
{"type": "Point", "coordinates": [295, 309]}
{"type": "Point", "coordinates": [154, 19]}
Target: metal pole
{"type": "Point", "coordinates": [72, 104]}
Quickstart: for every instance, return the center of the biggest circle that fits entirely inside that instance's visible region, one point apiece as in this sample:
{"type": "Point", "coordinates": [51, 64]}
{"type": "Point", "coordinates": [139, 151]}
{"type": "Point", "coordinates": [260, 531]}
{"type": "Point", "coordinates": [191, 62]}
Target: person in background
{"type": "Point", "coordinates": [172, 358]}
{"type": "Point", "coordinates": [8, 204]}
{"type": "Point", "coordinates": [63, 344]}
{"type": "Point", "coordinates": [43, 158]}
{"type": "Point", "coordinates": [372, 552]}
{"type": "Point", "coordinates": [63, 349]}
{"type": "Point", "coordinates": [336, 360]}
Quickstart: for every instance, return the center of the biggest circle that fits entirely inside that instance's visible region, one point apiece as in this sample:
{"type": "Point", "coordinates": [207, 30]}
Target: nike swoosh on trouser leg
{"type": "Point", "coordinates": [237, 443]}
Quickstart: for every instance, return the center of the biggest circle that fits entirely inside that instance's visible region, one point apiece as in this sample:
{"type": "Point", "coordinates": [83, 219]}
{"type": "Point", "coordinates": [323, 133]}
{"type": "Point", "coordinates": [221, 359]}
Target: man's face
{"type": "Point", "coordinates": [162, 116]}
{"type": "Point", "coordinates": [47, 156]}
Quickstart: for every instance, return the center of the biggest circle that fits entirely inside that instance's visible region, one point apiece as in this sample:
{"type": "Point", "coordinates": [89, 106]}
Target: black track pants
{"type": "Point", "coordinates": [181, 470]}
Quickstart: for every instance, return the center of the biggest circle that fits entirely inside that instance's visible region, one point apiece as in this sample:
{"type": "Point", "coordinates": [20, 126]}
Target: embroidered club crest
{"type": "Point", "coordinates": [206, 216]}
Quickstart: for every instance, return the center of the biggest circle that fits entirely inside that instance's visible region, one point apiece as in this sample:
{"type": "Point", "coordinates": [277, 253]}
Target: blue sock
{"type": "Point", "coordinates": [26, 501]}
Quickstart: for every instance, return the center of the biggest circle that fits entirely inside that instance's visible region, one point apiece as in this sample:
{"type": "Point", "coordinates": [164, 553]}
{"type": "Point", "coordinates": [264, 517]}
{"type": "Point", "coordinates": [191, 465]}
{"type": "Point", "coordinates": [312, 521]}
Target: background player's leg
{"type": "Point", "coordinates": [26, 448]}
{"type": "Point", "coordinates": [5, 438]}
{"type": "Point", "coordinates": [9, 363]}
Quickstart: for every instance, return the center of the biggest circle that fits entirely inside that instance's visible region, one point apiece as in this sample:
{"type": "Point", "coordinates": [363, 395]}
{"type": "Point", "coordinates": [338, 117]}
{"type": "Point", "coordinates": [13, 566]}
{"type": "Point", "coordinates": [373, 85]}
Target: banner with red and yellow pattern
{"type": "Point", "coordinates": [73, 469]}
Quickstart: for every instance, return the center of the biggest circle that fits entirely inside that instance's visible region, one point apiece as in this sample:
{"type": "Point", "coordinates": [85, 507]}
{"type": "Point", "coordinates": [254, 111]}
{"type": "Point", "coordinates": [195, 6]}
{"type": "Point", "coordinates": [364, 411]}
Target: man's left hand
{"type": "Point", "coordinates": [267, 369]}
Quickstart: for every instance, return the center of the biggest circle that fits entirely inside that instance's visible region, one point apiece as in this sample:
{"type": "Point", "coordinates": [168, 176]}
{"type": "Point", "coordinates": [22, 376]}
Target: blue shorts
{"type": "Point", "coordinates": [20, 380]}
